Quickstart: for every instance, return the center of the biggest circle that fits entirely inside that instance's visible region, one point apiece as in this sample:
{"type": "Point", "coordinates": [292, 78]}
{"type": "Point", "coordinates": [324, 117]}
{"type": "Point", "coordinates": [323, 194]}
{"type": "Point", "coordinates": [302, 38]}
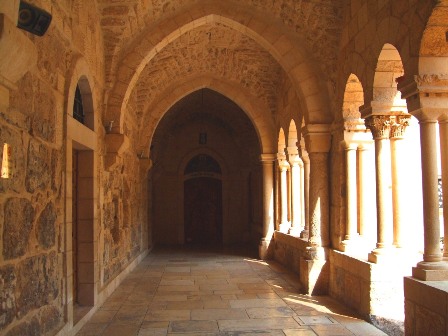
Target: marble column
{"type": "Point", "coordinates": [443, 133]}
{"type": "Point", "coordinates": [380, 128]}
{"type": "Point", "coordinates": [283, 166]}
{"type": "Point", "coordinates": [297, 193]}
{"type": "Point", "coordinates": [351, 229]}
{"type": "Point", "coordinates": [267, 161]}
{"type": "Point", "coordinates": [398, 128]}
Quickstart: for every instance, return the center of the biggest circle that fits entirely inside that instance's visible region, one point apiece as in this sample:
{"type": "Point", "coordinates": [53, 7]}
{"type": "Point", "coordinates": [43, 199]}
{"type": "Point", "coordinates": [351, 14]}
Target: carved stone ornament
{"type": "Point", "coordinates": [379, 125]}
{"type": "Point", "coordinates": [398, 126]}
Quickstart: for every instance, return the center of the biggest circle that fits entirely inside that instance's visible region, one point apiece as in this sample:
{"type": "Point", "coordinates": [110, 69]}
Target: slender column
{"type": "Point", "coordinates": [443, 133]}
{"type": "Point", "coordinates": [267, 161]}
{"type": "Point", "coordinates": [362, 197]}
{"type": "Point", "coordinates": [380, 127]}
{"type": "Point", "coordinates": [306, 194]}
{"type": "Point", "coordinates": [284, 224]}
{"type": "Point", "coordinates": [396, 138]}
{"type": "Point", "coordinates": [430, 192]}
{"type": "Point", "coordinates": [351, 194]}
{"type": "Point", "coordinates": [296, 168]}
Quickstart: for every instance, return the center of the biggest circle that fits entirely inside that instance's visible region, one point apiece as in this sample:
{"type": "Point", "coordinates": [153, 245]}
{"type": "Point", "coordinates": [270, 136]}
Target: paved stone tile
{"type": "Point", "coordinates": [257, 313]}
{"type": "Point", "coordinates": [299, 332]}
{"type": "Point", "coordinates": [314, 320]}
{"type": "Point", "coordinates": [254, 303]}
{"type": "Point", "coordinates": [167, 315]}
{"type": "Point", "coordinates": [258, 324]}
{"type": "Point", "coordinates": [193, 326]}
{"type": "Point", "coordinates": [116, 329]}
{"type": "Point", "coordinates": [191, 293]}
{"type": "Point", "coordinates": [218, 314]}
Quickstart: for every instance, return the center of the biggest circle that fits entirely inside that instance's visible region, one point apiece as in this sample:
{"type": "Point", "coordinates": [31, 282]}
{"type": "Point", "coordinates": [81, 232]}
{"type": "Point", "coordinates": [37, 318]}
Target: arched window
{"type": "Point", "coordinates": [78, 109]}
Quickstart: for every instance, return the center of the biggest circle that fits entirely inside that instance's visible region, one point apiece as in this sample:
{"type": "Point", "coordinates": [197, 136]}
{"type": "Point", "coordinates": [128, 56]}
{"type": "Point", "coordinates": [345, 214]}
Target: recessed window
{"type": "Point", "coordinates": [78, 109]}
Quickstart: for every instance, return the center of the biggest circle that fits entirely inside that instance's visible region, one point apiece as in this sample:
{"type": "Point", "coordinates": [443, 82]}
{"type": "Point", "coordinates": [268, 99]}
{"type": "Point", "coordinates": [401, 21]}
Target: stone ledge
{"type": "Point", "coordinates": [429, 275]}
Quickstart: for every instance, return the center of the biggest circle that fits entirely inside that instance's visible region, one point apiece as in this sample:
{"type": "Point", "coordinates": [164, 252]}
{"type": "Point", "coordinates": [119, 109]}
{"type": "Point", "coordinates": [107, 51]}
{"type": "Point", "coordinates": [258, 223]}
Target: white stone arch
{"type": "Point", "coordinates": [388, 71]}
{"type": "Point", "coordinates": [254, 109]}
{"type": "Point", "coordinates": [353, 98]}
{"type": "Point", "coordinates": [281, 143]}
{"type": "Point", "coordinates": [292, 134]}
{"type": "Point", "coordinates": [301, 69]}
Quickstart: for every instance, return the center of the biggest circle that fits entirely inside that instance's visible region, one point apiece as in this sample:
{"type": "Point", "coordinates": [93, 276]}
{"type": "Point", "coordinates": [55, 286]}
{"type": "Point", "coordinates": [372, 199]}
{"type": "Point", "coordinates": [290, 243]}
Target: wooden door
{"type": "Point", "coordinates": [203, 210]}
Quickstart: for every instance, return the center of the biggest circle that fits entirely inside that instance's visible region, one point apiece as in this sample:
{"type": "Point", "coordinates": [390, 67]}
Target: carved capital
{"type": "Point", "coordinates": [283, 165]}
{"type": "Point", "coordinates": [379, 125]}
{"type": "Point", "coordinates": [295, 160]}
{"type": "Point", "coordinates": [398, 126]}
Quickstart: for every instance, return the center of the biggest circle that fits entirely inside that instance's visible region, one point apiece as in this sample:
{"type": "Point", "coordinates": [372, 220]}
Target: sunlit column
{"type": "Point", "coordinates": [362, 197]}
{"type": "Point", "coordinates": [267, 161]}
{"type": "Point", "coordinates": [306, 195]}
{"type": "Point", "coordinates": [397, 160]}
{"type": "Point", "coordinates": [284, 224]}
{"type": "Point", "coordinates": [443, 134]}
{"type": "Point", "coordinates": [380, 128]}
{"type": "Point", "coordinates": [351, 194]}
{"type": "Point", "coordinates": [296, 168]}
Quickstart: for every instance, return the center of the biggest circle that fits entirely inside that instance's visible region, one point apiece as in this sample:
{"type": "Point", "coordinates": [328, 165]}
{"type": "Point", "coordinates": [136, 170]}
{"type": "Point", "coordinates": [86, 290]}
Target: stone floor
{"type": "Point", "coordinates": [225, 292]}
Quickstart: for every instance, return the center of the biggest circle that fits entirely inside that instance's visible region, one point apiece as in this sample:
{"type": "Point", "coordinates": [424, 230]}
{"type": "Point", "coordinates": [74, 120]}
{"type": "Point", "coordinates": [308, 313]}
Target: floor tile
{"type": "Point", "coordinates": [193, 326]}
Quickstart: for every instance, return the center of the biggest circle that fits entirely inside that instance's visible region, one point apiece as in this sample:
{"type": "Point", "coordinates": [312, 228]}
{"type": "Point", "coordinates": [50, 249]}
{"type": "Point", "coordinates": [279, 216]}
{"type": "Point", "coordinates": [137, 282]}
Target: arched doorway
{"type": "Point", "coordinates": [203, 201]}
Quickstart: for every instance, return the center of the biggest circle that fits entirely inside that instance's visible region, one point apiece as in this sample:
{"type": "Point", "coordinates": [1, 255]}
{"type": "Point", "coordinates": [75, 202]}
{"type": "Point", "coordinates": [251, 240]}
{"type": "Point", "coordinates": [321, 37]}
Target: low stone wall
{"type": "Point", "coordinates": [375, 291]}
{"type": "Point", "coordinates": [288, 250]}
{"type": "Point", "coordinates": [426, 305]}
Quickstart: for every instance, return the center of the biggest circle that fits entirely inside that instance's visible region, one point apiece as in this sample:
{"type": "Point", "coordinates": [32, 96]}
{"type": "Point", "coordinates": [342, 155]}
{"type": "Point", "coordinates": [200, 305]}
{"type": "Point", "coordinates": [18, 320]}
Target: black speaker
{"type": "Point", "coordinates": [32, 19]}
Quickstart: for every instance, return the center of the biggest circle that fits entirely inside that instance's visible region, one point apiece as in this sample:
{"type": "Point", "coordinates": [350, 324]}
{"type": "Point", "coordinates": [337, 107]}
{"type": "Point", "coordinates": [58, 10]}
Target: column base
{"type": "Point", "coordinates": [265, 249]}
{"type": "Point", "coordinates": [431, 271]}
{"type": "Point", "coordinates": [294, 231]}
{"type": "Point", "coordinates": [381, 255]}
{"type": "Point", "coordinates": [304, 234]}
{"type": "Point", "coordinates": [284, 227]}
{"type": "Point", "coordinates": [351, 245]}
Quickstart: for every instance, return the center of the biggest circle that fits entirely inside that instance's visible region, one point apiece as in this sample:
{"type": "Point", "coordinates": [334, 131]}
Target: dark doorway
{"type": "Point", "coordinates": [203, 211]}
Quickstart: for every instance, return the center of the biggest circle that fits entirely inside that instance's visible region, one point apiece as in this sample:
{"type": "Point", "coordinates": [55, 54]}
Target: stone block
{"type": "Point", "coordinates": [31, 328]}
{"type": "Point", "coordinates": [7, 295]}
{"type": "Point", "coordinates": [18, 222]}
{"type": "Point", "coordinates": [46, 226]}
{"type": "Point", "coordinates": [37, 282]}
{"type": "Point", "coordinates": [38, 170]}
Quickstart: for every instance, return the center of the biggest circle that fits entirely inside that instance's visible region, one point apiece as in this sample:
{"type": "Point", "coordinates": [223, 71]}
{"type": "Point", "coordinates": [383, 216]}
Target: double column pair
{"type": "Point", "coordinates": [388, 131]}
{"type": "Point", "coordinates": [318, 141]}
{"type": "Point", "coordinates": [295, 201]}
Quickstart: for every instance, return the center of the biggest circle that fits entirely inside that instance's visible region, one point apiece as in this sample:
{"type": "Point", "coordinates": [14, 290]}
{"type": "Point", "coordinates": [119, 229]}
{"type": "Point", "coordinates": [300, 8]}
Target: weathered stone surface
{"type": "Point", "coordinates": [37, 282]}
{"type": "Point", "coordinates": [50, 319]}
{"type": "Point", "coordinates": [31, 328]}
{"type": "Point", "coordinates": [18, 222]}
{"type": "Point", "coordinates": [46, 226]}
{"type": "Point", "coordinates": [7, 297]}
{"type": "Point", "coordinates": [38, 172]}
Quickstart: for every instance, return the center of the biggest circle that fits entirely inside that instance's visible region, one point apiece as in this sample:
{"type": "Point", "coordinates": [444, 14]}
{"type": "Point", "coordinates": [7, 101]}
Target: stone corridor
{"type": "Point", "coordinates": [220, 292]}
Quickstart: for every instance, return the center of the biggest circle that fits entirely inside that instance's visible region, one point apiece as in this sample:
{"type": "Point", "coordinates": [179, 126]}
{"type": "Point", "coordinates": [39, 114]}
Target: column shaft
{"type": "Point", "coordinates": [319, 200]}
{"type": "Point", "coordinates": [268, 199]}
{"type": "Point", "coordinates": [443, 133]}
{"type": "Point", "coordinates": [284, 225]}
{"type": "Point", "coordinates": [396, 189]}
{"type": "Point", "coordinates": [361, 190]}
{"type": "Point", "coordinates": [430, 191]}
{"type": "Point", "coordinates": [296, 222]}
{"type": "Point", "coordinates": [351, 191]}
{"type": "Point", "coordinates": [306, 198]}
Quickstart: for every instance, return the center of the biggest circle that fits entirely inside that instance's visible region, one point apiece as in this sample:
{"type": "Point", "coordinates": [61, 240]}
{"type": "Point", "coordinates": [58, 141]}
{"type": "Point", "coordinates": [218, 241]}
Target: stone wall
{"type": "Point", "coordinates": [424, 314]}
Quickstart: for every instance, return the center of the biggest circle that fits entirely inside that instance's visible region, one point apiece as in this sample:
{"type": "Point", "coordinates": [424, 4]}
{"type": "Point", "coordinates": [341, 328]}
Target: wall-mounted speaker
{"type": "Point", "coordinates": [32, 19]}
